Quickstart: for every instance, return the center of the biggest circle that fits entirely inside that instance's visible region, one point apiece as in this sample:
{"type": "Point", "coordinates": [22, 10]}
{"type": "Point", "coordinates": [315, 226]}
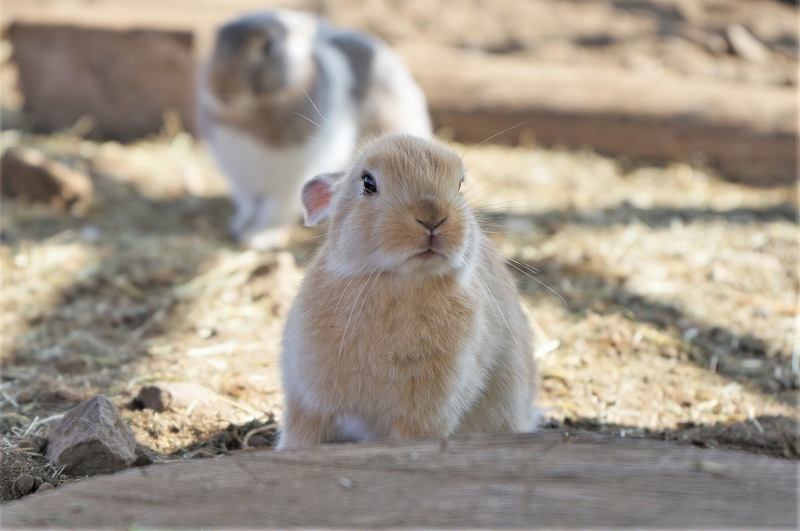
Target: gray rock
{"type": "Point", "coordinates": [45, 487]}
{"type": "Point", "coordinates": [153, 397]}
{"type": "Point", "coordinates": [91, 438]}
{"type": "Point", "coordinates": [144, 456]}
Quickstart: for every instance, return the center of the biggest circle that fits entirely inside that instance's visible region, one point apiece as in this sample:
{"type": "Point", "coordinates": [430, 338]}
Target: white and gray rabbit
{"type": "Point", "coordinates": [284, 97]}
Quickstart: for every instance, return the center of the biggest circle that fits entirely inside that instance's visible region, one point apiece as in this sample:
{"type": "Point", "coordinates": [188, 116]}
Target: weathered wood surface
{"type": "Point", "coordinates": [748, 131]}
{"type": "Point", "coordinates": [524, 481]}
{"type": "Point", "coordinates": [123, 80]}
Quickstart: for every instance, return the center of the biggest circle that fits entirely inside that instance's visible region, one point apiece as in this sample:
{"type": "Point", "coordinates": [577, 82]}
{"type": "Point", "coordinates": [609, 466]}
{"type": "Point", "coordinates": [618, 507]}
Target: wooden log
{"type": "Point", "coordinates": [124, 67]}
{"type": "Point", "coordinates": [748, 132]}
{"type": "Point", "coordinates": [522, 481]}
{"type": "Point", "coordinates": [124, 80]}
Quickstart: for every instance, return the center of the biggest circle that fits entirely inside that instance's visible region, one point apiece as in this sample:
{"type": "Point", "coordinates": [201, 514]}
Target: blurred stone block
{"type": "Point", "coordinates": [122, 79]}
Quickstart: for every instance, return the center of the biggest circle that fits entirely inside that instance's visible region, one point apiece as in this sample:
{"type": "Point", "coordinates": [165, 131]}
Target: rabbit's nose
{"type": "Point", "coordinates": [432, 226]}
{"type": "Point", "coordinates": [429, 214]}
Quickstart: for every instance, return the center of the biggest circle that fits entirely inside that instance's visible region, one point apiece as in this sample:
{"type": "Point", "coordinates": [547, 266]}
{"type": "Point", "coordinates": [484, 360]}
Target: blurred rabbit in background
{"type": "Point", "coordinates": [284, 97]}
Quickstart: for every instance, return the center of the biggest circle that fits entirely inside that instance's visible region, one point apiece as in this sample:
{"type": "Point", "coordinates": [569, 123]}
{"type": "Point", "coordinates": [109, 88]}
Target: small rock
{"type": "Point", "coordinates": [225, 440]}
{"type": "Point", "coordinates": [199, 401]}
{"type": "Point", "coordinates": [91, 438]}
{"type": "Point", "coordinates": [144, 455]}
{"type": "Point", "coordinates": [25, 484]}
{"type": "Point", "coordinates": [143, 459]}
{"type": "Point", "coordinates": [260, 440]}
{"type": "Point", "coordinates": [153, 397]}
{"type": "Point", "coordinates": [745, 45]}
{"type": "Point", "coordinates": [28, 175]}
{"type": "Point", "coordinates": [45, 486]}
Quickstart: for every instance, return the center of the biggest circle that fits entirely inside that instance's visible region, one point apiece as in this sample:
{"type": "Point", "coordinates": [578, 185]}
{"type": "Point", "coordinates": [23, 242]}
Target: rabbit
{"type": "Point", "coordinates": [407, 323]}
{"type": "Point", "coordinates": [285, 96]}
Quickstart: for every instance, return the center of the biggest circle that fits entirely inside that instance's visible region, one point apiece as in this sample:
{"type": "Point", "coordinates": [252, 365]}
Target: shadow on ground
{"type": "Point", "coordinates": [739, 357]}
{"type": "Point", "coordinates": [626, 214]}
{"type": "Point", "coordinates": [768, 435]}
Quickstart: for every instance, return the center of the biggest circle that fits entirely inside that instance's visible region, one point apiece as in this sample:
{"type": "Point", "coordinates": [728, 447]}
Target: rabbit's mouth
{"type": "Point", "coordinates": [429, 254]}
{"type": "Point", "coordinates": [428, 261]}
{"type": "Point", "coordinates": [437, 253]}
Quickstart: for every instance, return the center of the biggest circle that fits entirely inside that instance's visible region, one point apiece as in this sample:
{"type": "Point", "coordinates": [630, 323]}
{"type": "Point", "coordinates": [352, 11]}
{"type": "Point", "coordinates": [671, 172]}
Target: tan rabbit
{"type": "Point", "coordinates": [407, 323]}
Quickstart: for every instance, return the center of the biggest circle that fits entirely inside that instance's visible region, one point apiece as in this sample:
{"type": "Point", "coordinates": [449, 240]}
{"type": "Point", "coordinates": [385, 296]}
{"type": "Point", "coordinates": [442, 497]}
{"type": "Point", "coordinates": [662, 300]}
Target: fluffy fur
{"type": "Point", "coordinates": [401, 329]}
{"type": "Point", "coordinates": [285, 97]}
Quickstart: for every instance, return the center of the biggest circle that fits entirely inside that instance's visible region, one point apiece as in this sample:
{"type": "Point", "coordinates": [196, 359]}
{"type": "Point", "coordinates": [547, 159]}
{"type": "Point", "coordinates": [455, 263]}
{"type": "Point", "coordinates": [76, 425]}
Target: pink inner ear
{"type": "Point", "coordinates": [317, 195]}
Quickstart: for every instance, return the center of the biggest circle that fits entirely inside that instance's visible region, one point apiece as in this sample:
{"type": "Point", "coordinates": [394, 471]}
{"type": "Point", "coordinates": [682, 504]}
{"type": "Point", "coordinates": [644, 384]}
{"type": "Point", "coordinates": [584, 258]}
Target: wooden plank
{"type": "Point", "coordinates": [748, 131]}
{"type": "Point", "coordinates": [125, 80]}
{"type": "Point", "coordinates": [523, 481]}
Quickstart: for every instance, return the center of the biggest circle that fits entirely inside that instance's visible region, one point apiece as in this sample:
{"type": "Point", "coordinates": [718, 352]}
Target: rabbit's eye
{"type": "Point", "coordinates": [370, 186]}
{"type": "Point", "coordinates": [266, 48]}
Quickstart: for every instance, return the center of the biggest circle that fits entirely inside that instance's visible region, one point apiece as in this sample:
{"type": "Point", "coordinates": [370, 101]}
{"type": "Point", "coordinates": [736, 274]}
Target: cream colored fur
{"type": "Point", "coordinates": [382, 342]}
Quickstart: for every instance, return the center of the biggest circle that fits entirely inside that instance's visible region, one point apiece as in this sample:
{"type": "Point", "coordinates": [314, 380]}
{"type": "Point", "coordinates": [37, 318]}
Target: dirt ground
{"type": "Point", "coordinates": [665, 298]}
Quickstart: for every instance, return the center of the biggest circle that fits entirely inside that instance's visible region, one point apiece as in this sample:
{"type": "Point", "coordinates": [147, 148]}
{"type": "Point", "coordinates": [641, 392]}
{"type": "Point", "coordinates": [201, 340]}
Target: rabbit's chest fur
{"type": "Point", "coordinates": [249, 162]}
{"type": "Point", "coordinates": [382, 351]}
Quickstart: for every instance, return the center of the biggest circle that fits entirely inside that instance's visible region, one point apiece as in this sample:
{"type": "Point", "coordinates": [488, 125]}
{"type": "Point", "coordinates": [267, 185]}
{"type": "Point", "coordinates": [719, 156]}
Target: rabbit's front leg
{"type": "Point", "coordinates": [246, 205]}
{"type": "Point", "coordinates": [303, 427]}
{"type": "Point", "coordinates": [270, 225]}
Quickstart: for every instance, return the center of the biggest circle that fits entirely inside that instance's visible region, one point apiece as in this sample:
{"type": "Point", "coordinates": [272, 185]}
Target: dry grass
{"type": "Point", "coordinates": [662, 295]}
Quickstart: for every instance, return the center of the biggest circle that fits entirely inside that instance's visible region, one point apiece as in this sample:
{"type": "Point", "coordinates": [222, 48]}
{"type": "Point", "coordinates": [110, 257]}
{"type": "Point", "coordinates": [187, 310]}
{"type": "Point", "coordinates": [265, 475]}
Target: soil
{"type": "Point", "coordinates": [664, 297]}
{"type": "Point", "coordinates": [23, 472]}
{"type": "Point", "coordinates": [661, 295]}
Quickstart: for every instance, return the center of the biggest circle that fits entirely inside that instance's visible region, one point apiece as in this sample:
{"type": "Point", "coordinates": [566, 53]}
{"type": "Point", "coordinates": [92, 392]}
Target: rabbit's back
{"type": "Point", "coordinates": [383, 90]}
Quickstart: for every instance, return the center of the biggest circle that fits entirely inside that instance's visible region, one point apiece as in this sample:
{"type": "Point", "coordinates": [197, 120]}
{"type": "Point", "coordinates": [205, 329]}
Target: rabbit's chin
{"type": "Point", "coordinates": [425, 264]}
{"type": "Point", "coordinates": [433, 263]}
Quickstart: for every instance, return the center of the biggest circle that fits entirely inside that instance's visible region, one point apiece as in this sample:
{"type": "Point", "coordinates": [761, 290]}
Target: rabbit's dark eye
{"type": "Point", "coordinates": [266, 48]}
{"type": "Point", "coordinates": [370, 186]}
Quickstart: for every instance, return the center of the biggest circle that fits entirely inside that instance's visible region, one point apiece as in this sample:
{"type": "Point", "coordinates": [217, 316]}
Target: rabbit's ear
{"type": "Point", "coordinates": [317, 194]}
